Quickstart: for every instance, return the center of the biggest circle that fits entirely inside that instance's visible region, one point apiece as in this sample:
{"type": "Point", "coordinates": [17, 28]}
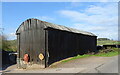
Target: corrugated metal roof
{"type": "Point", "coordinates": [63, 28]}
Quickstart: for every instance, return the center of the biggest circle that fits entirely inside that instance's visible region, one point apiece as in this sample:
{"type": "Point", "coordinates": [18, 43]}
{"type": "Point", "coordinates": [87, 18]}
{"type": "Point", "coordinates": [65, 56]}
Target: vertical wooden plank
{"type": "Point", "coordinates": [41, 39]}
{"type": "Point", "coordinates": [33, 22]}
{"type": "Point", "coordinates": [30, 41]}
{"type": "Point", "coordinates": [31, 46]}
{"type": "Point", "coordinates": [46, 49]}
{"type": "Point", "coordinates": [21, 42]}
{"type": "Point", "coordinates": [37, 42]}
{"type": "Point", "coordinates": [27, 38]}
{"type": "Point", "coordinates": [18, 45]}
{"type": "Point", "coordinates": [26, 31]}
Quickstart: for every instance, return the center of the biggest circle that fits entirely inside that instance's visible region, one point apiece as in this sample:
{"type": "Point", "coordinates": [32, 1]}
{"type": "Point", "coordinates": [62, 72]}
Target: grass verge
{"type": "Point", "coordinates": [108, 42]}
{"type": "Point", "coordinates": [114, 52]}
{"type": "Point", "coordinates": [110, 54]}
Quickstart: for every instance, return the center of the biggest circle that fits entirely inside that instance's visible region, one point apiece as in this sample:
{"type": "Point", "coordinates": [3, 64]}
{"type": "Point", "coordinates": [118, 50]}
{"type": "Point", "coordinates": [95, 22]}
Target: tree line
{"type": "Point", "coordinates": [7, 45]}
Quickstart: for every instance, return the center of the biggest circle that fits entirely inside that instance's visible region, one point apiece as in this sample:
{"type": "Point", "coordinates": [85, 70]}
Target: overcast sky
{"type": "Point", "coordinates": [100, 18]}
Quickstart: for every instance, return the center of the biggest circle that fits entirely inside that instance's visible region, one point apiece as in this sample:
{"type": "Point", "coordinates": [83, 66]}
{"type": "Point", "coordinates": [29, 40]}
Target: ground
{"type": "Point", "coordinates": [92, 64]}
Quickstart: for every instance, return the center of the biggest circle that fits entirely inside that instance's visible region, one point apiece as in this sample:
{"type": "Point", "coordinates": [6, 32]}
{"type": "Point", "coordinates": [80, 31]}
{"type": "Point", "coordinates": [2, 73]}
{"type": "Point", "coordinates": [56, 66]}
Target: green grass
{"type": "Point", "coordinates": [8, 45]}
{"type": "Point", "coordinates": [109, 54]}
{"type": "Point", "coordinates": [107, 42]}
{"type": "Point", "coordinates": [76, 57]}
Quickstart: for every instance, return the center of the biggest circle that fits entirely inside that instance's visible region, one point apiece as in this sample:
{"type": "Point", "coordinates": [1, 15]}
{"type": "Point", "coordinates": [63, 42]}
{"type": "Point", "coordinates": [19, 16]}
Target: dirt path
{"type": "Point", "coordinates": [73, 66]}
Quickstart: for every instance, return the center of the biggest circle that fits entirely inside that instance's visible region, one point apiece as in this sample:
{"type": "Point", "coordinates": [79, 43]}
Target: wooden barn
{"type": "Point", "coordinates": [43, 43]}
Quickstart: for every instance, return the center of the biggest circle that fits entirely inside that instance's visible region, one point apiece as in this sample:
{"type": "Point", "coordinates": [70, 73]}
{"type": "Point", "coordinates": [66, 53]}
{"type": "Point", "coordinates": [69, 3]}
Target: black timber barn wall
{"type": "Point", "coordinates": [34, 38]}
{"type": "Point", "coordinates": [63, 44]}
